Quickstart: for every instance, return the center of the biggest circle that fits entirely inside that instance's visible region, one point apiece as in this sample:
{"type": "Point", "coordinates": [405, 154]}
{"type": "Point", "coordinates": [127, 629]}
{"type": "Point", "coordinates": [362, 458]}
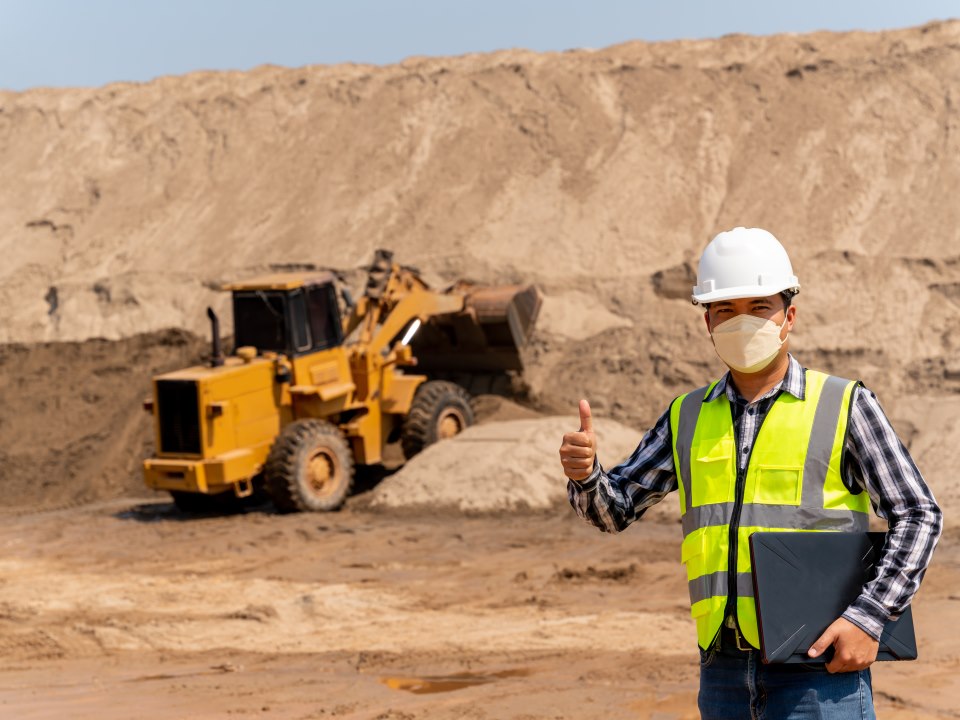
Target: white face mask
{"type": "Point", "coordinates": [747, 343]}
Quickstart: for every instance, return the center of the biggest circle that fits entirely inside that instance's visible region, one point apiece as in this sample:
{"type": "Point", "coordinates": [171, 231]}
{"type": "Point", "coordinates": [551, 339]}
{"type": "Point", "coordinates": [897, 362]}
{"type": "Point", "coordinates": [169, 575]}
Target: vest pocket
{"type": "Point", "coordinates": [691, 554]}
{"type": "Point", "coordinates": [779, 485]}
{"type": "Point", "coordinates": [717, 450]}
{"type": "Point", "coordinates": [692, 545]}
{"type": "Point", "coordinates": [713, 469]}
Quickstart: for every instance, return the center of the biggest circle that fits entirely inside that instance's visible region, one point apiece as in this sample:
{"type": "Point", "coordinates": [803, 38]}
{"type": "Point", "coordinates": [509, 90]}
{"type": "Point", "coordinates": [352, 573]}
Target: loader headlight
{"type": "Point", "coordinates": [410, 332]}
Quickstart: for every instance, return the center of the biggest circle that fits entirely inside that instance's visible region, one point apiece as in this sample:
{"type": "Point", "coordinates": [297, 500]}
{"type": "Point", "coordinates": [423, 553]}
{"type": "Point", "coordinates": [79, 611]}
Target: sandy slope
{"type": "Point", "coordinates": [599, 175]}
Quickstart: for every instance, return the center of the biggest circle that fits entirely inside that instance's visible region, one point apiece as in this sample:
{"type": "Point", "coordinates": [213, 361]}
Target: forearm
{"type": "Point", "coordinates": [908, 550]}
{"type": "Point", "coordinates": [612, 500]}
{"type": "Point", "coordinates": [604, 504]}
{"type": "Point", "coordinates": [880, 464]}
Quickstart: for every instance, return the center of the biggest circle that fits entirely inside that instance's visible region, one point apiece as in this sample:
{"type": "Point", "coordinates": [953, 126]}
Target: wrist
{"type": "Point", "coordinates": [867, 615]}
{"type": "Point", "coordinates": [589, 482]}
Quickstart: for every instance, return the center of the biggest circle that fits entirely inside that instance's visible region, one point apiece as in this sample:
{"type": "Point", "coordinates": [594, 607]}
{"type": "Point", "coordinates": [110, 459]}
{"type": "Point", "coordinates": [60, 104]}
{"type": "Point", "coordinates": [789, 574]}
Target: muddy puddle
{"type": "Point", "coordinates": [429, 684]}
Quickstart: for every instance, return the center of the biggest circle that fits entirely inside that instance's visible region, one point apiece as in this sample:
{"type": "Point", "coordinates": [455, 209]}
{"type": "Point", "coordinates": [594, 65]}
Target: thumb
{"type": "Point", "coordinates": [586, 419]}
{"type": "Point", "coordinates": [829, 636]}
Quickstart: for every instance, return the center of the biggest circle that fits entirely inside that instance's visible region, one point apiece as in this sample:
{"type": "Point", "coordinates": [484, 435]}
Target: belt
{"type": "Point", "coordinates": [731, 644]}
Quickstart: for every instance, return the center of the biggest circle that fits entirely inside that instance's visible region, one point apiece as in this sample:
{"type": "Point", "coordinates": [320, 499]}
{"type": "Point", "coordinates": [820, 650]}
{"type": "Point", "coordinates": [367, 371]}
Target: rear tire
{"type": "Point", "coordinates": [440, 410]}
{"type": "Point", "coordinates": [310, 467]}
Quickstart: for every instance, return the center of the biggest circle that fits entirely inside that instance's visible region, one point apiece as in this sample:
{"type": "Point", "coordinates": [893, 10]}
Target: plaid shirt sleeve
{"type": "Point", "coordinates": [876, 460]}
{"type": "Point", "coordinates": [612, 500]}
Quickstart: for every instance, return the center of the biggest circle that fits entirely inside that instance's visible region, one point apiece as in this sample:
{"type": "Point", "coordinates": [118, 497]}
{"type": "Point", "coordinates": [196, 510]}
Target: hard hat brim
{"type": "Point", "coordinates": [745, 291]}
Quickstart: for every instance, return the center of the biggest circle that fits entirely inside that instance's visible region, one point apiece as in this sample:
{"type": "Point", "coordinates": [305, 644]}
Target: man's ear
{"type": "Point", "coordinates": [706, 319]}
{"type": "Point", "coordinates": [791, 316]}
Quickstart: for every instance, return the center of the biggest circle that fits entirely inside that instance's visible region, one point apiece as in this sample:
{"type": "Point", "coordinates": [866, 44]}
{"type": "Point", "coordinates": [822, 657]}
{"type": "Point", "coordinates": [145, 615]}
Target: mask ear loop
{"type": "Point", "coordinates": [782, 326]}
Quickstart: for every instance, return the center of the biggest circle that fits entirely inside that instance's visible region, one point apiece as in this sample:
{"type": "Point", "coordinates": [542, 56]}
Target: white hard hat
{"type": "Point", "coordinates": [743, 263]}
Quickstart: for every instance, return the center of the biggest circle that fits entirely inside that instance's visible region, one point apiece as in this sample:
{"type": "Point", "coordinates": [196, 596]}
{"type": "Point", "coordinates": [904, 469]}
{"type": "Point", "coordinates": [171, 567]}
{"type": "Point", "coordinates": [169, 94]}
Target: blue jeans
{"type": "Point", "coordinates": [738, 686]}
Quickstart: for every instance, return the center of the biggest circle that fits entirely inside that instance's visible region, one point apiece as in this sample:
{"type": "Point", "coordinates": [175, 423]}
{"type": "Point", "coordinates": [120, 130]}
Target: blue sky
{"type": "Point", "coordinates": [93, 42]}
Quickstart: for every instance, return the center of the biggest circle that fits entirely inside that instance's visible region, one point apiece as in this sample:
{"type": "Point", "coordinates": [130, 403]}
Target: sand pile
{"type": "Point", "coordinates": [599, 175]}
{"type": "Point", "coordinates": [508, 465]}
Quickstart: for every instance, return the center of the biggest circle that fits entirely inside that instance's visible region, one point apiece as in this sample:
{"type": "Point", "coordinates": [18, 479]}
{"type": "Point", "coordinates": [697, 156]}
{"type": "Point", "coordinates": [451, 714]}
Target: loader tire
{"type": "Point", "coordinates": [310, 467]}
{"type": "Point", "coordinates": [440, 410]}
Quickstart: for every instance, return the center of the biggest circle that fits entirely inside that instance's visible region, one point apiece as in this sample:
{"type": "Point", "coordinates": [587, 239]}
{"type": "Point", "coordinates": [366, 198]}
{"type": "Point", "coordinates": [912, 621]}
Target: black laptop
{"type": "Point", "coordinates": [803, 581]}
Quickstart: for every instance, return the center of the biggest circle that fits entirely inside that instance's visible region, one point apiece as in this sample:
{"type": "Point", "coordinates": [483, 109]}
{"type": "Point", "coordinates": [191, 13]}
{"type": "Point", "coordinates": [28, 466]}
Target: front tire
{"type": "Point", "coordinates": [440, 410]}
{"type": "Point", "coordinates": [310, 467]}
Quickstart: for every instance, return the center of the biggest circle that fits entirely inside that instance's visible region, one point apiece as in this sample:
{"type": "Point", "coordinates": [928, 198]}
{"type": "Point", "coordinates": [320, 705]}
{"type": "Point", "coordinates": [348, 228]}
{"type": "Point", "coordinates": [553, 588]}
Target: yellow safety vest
{"type": "Point", "coordinates": [792, 482]}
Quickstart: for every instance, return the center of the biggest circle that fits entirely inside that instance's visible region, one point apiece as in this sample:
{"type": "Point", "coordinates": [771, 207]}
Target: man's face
{"type": "Point", "coordinates": [768, 308]}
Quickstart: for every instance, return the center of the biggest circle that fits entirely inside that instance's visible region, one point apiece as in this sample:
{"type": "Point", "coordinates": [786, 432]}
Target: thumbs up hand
{"type": "Point", "coordinates": [579, 448]}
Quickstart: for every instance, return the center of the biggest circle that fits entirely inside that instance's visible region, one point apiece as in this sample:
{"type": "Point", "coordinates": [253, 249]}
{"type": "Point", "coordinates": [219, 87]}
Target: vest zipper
{"type": "Point", "coordinates": [733, 542]}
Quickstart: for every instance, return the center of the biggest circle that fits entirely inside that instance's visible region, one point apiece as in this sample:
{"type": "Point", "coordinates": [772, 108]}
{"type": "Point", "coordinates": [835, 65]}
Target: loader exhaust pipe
{"type": "Point", "coordinates": [378, 274]}
{"type": "Point", "coordinates": [216, 359]}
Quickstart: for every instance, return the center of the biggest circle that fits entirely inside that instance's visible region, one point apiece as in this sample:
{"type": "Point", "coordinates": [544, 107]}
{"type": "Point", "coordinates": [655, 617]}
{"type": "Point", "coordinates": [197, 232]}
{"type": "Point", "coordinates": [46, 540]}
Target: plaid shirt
{"type": "Point", "coordinates": [874, 460]}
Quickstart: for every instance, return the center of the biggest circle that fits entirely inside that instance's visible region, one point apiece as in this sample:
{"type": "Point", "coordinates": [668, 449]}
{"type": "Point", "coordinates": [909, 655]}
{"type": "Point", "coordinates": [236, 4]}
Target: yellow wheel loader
{"type": "Point", "coordinates": [309, 393]}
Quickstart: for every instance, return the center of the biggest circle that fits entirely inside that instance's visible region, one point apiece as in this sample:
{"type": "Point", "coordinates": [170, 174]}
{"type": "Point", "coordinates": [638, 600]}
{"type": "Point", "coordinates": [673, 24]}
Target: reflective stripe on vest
{"type": "Point", "coordinates": [792, 482]}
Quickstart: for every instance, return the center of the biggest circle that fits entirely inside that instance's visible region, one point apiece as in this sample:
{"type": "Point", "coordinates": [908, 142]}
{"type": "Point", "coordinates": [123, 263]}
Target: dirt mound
{"type": "Point", "coordinates": [599, 175]}
{"type": "Point", "coordinates": [499, 466]}
{"type": "Point", "coordinates": [575, 315]}
{"type": "Point", "coordinates": [72, 425]}
{"type": "Point", "coordinates": [599, 171]}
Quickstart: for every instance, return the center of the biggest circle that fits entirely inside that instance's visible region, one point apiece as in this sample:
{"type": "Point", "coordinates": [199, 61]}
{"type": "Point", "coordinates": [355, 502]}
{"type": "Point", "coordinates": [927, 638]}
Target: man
{"type": "Point", "coordinates": [770, 445]}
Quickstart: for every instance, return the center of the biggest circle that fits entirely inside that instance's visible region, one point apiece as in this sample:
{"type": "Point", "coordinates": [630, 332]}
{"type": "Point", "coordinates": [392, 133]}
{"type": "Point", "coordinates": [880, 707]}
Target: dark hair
{"type": "Point", "coordinates": [785, 295]}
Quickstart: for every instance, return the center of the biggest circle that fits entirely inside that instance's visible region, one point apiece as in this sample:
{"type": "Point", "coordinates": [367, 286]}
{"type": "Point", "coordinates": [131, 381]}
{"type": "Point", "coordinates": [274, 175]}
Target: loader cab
{"type": "Point", "coordinates": [289, 314]}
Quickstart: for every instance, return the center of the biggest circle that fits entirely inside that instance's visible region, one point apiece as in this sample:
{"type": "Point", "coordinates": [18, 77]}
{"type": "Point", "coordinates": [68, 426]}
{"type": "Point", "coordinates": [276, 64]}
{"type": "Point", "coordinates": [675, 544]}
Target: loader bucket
{"type": "Point", "coordinates": [486, 336]}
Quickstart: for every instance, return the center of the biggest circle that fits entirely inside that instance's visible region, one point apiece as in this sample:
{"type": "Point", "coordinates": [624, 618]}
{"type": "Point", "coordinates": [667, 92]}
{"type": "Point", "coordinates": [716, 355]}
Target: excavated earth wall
{"type": "Point", "coordinates": [599, 175]}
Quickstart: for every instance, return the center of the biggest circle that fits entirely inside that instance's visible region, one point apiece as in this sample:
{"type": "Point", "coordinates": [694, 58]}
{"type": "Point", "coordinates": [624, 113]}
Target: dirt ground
{"type": "Point", "coordinates": [128, 608]}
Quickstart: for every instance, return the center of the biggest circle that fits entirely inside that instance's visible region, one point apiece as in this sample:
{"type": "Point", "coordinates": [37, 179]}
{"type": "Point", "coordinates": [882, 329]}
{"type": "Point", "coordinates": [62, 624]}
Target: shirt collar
{"type": "Point", "coordinates": [794, 382]}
